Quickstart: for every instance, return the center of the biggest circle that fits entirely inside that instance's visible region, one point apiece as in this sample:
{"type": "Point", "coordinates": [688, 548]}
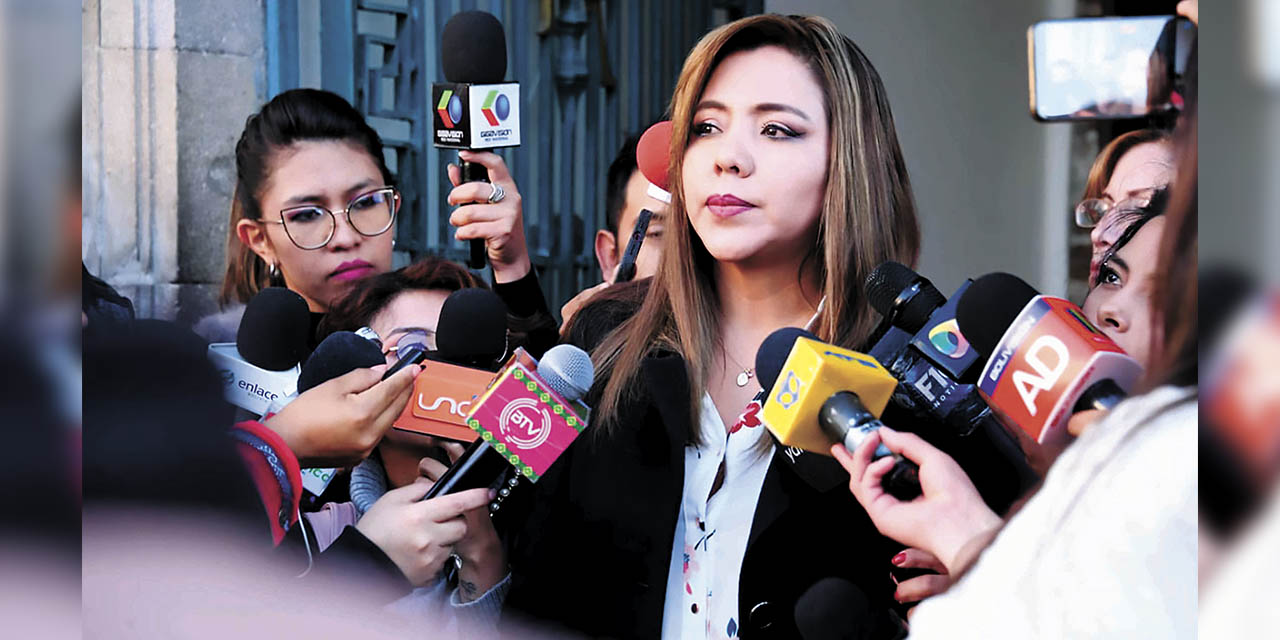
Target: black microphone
{"type": "Point", "coordinates": [273, 330]}
{"type": "Point", "coordinates": [472, 329]}
{"type": "Point", "coordinates": [261, 366]}
{"type": "Point", "coordinates": [920, 343]}
{"type": "Point", "coordinates": [833, 609]}
{"type": "Point", "coordinates": [474, 108]}
{"type": "Point", "coordinates": [337, 355]}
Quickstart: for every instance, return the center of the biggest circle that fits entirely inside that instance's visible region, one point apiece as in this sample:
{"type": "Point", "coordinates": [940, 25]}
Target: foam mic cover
{"type": "Point", "coordinates": [903, 296]}
{"type": "Point", "coordinates": [773, 353]}
{"type": "Point", "coordinates": [833, 609]}
{"type": "Point", "coordinates": [473, 48]}
{"type": "Point", "coordinates": [339, 354]}
{"type": "Point", "coordinates": [989, 306]}
{"type": "Point", "coordinates": [472, 330]}
{"type": "Point", "coordinates": [653, 154]}
{"type": "Point", "coordinates": [273, 331]}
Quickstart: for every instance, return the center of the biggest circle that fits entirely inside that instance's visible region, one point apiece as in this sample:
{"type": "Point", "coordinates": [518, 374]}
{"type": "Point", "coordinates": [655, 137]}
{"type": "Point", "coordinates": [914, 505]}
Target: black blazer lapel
{"type": "Point", "coordinates": [819, 472]}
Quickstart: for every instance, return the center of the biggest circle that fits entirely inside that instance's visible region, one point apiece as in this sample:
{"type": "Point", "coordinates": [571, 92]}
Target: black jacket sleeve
{"type": "Point", "coordinates": [528, 316]}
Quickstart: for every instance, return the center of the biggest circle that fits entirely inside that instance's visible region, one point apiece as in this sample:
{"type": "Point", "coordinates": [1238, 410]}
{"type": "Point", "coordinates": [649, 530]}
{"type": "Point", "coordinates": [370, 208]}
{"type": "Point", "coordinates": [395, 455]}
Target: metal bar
{"type": "Point", "coordinates": [337, 47]}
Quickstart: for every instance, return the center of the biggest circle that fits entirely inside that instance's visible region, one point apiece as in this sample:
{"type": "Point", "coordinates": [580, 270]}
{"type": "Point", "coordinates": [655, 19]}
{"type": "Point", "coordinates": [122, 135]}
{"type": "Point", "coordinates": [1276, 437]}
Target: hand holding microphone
{"type": "Point", "coordinates": [344, 407]}
{"type": "Point", "coordinates": [491, 212]}
{"type": "Point", "coordinates": [419, 535]}
{"type": "Point", "coordinates": [947, 518]}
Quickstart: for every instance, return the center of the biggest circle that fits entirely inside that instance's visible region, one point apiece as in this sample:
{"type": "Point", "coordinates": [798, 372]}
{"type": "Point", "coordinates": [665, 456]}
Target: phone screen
{"type": "Point", "coordinates": [1108, 68]}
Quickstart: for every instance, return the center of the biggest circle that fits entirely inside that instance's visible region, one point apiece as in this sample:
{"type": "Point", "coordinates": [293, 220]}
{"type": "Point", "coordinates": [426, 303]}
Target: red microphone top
{"type": "Point", "coordinates": [652, 153]}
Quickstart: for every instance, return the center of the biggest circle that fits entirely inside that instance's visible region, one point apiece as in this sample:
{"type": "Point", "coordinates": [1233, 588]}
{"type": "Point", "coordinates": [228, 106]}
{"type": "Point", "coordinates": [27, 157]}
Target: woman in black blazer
{"type": "Point", "coordinates": [788, 187]}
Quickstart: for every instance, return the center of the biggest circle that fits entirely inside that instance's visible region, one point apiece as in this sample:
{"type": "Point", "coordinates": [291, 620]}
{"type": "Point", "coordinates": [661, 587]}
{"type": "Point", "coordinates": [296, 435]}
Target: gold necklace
{"type": "Point", "coordinates": [745, 375]}
{"type": "Point", "coordinates": [748, 373]}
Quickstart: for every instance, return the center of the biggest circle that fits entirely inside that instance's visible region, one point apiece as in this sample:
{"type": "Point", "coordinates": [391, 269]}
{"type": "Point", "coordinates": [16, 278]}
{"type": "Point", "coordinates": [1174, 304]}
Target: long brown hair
{"type": "Point", "coordinates": [293, 116]}
{"type": "Point", "coordinates": [1175, 296]}
{"type": "Point", "coordinates": [868, 213]}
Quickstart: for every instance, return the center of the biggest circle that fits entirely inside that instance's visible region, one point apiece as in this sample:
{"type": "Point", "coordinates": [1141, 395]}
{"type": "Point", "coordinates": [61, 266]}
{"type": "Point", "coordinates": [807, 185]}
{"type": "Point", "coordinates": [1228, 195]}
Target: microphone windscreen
{"type": "Point", "coordinates": [653, 153]}
{"type": "Point", "coordinates": [773, 354]}
{"type": "Point", "coordinates": [473, 48]}
{"type": "Point", "coordinates": [339, 354]}
{"type": "Point", "coordinates": [833, 608]}
{"type": "Point", "coordinates": [567, 370]}
{"type": "Point", "coordinates": [472, 327]}
{"type": "Point", "coordinates": [886, 283]}
{"type": "Point", "coordinates": [273, 330]}
{"type": "Point", "coordinates": [989, 306]}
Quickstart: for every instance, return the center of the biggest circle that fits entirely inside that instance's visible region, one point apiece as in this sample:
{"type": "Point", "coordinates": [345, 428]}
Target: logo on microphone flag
{"type": "Point", "coordinates": [450, 109]}
{"type": "Point", "coordinates": [526, 422]}
{"type": "Point", "coordinates": [496, 107]}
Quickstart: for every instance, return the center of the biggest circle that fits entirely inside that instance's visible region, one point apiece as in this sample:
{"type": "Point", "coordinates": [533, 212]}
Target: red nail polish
{"type": "Point", "coordinates": [900, 558]}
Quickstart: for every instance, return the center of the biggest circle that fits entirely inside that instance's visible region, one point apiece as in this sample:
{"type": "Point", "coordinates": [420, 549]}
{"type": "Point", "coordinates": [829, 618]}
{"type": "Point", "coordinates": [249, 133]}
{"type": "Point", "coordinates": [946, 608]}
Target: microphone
{"type": "Point", "coordinates": [337, 355]}
{"type": "Point", "coordinates": [653, 159]}
{"type": "Point", "coordinates": [475, 109]}
{"type": "Point", "coordinates": [1046, 361]}
{"type": "Point", "coordinates": [471, 337]}
{"type": "Point", "coordinates": [921, 345]}
{"type": "Point", "coordinates": [261, 366]}
{"type": "Point", "coordinates": [833, 609]}
{"type": "Point", "coordinates": [530, 414]}
{"type": "Point", "coordinates": [840, 391]}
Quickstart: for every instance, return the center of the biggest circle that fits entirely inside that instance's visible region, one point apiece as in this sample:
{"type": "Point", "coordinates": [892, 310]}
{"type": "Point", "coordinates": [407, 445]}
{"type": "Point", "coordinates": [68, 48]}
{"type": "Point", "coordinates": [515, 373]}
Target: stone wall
{"type": "Point", "coordinates": [167, 87]}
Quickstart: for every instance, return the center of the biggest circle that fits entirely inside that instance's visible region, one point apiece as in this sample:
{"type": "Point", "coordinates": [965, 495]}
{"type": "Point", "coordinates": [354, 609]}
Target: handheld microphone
{"type": "Point", "coordinates": [475, 109]}
{"type": "Point", "coordinates": [261, 366]}
{"type": "Point", "coordinates": [652, 151]}
{"type": "Point", "coordinates": [653, 159]}
{"type": "Point", "coordinates": [471, 337]}
{"type": "Point", "coordinates": [1046, 361]}
{"type": "Point", "coordinates": [337, 355]}
{"type": "Point", "coordinates": [833, 609]}
{"type": "Point", "coordinates": [921, 345]}
{"type": "Point", "coordinates": [842, 392]}
{"type": "Point", "coordinates": [530, 414]}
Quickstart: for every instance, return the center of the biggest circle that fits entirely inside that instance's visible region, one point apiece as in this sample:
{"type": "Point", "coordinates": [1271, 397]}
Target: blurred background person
{"type": "Point", "coordinates": [626, 194]}
{"type": "Point", "coordinates": [1108, 546]}
{"type": "Point", "coordinates": [1122, 181]}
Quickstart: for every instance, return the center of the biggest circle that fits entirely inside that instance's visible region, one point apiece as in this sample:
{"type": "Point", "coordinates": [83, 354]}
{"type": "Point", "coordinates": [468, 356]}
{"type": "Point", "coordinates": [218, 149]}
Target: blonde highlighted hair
{"type": "Point", "coordinates": [868, 213]}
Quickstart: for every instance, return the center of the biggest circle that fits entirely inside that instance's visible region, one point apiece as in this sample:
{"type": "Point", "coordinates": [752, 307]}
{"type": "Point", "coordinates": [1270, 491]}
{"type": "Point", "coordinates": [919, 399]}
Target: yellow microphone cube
{"type": "Point", "coordinates": [814, 371]}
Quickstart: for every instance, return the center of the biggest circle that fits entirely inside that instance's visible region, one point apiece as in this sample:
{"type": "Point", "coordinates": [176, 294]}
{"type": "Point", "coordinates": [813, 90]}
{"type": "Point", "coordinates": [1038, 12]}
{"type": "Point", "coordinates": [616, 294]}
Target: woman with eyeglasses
{"type": "Point", "coordinates": [1124, 176]}
{"type": "Point", "coordinates": [386, 489]}
{"type": "Point", "coordinates": [314, 210]}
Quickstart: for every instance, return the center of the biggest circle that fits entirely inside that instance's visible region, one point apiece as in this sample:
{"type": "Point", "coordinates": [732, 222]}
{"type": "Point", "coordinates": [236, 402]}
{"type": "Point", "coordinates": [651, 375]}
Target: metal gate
{"type": "Point", "coordinates": [591, 73]}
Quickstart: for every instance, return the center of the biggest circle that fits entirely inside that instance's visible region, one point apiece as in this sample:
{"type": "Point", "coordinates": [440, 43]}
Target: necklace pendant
{"type": "Point", "coordinates": [744, 378]}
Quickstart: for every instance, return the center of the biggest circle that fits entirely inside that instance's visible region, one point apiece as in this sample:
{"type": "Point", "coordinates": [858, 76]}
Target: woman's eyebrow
{"type": "Point", "coordinates": [1119, 262]}
{"type": "Point", "coordinates": [763, 107]}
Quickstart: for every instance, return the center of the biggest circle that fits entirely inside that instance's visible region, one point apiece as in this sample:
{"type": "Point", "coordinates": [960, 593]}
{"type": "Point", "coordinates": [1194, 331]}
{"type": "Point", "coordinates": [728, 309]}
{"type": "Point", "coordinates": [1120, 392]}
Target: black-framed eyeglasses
{"type": "Point", "coordinates": [312, 227]}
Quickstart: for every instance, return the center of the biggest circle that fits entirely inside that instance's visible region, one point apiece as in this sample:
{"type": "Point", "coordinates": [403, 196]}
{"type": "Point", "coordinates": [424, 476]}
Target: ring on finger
{"type": "Point", "coordinates": [497, 193]}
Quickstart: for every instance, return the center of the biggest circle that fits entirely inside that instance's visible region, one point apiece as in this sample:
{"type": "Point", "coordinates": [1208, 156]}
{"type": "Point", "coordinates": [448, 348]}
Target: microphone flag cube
{"type": "Point", "coordinates": [475, 116]}
{"type": "Point", "coordinates": [525, 420]}
{"type": "Point", "coordinates": [1046, 359]}
{"type": "Point", "coordinates": [813, 372]}
{"type": "Point", "coordinates": [443, 395]}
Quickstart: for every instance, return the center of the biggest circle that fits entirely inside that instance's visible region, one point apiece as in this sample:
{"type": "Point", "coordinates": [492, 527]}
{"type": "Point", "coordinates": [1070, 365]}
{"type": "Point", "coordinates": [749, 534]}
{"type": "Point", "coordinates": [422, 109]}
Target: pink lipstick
{"type": "Point", "coordinates": [352, 270]}
{"type": "Point", "coordinates": [727, 205]}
